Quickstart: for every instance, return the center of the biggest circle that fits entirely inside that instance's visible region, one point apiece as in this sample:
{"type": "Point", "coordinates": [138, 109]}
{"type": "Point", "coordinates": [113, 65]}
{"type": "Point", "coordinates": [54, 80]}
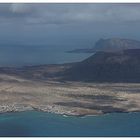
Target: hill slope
{"type": "Point", "coordinates": [107, 67]}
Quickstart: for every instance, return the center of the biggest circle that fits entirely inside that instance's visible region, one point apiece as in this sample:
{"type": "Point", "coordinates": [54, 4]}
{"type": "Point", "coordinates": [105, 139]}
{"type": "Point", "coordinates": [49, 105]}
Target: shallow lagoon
{"type": "Point", "coordinates": [32, 123]}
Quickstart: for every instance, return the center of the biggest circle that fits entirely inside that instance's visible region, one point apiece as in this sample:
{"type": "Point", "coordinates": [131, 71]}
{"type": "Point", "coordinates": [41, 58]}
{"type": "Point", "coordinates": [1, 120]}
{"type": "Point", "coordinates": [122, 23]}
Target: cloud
{"type": "Point", "coordinates": [19, 8]}
{"type": "Point", "coordinates": [69, 13]}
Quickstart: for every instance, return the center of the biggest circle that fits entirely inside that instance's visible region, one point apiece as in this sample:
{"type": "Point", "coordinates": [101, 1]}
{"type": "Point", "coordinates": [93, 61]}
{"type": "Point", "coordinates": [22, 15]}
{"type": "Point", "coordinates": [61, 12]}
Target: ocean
{"type": "Point", "coordinates": [32, 123]}
{"type": "Point", "coordinates": [18, 56]}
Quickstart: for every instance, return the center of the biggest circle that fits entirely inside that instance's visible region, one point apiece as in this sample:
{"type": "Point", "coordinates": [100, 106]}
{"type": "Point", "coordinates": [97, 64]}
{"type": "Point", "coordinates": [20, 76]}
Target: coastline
{"type": "Point", "coordinates": [69, 98]}
{"type": "Point", "coordinates": [64, 114]}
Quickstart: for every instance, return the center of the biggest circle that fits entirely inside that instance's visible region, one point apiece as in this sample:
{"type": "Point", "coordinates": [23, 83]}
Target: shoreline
{"type": "Point", "coordinates": [61, 113]}
{"type": "Point", "coordinates": [67, 116]}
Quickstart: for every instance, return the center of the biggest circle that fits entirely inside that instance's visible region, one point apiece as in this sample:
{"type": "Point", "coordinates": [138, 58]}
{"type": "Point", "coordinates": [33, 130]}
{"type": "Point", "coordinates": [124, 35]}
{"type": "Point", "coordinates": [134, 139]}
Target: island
{"type": "Point", "coordinates": [106, 82]}
{"type": "Point", "coordinates": [110, 45]}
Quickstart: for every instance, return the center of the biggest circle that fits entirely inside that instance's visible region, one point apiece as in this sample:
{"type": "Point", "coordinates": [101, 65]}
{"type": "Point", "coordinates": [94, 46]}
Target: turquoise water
{"type": "Point", "coordinates": [34, 123]}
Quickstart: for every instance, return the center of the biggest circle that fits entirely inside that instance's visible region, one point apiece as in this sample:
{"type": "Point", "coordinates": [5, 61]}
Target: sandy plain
{"type": "Point", "coordinates": [68, 98]}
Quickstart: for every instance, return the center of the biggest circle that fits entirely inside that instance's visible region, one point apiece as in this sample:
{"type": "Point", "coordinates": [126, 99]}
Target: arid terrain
{"type": "Point", "coordinates": [103, 83]}
{"type": "Point", "coordinates": [69, 98]}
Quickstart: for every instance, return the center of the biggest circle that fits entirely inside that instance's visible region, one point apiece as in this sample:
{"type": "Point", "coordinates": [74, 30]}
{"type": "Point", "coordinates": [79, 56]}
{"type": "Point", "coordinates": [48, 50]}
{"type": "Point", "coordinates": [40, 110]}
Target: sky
{"type": "Point", "coordinates": [69, 25]}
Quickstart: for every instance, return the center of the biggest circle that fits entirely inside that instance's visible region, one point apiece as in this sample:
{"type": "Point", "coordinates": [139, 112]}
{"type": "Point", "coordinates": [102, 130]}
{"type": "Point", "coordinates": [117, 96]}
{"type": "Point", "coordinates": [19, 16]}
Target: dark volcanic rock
{"type": "Point", "coordinates": [107, 67]}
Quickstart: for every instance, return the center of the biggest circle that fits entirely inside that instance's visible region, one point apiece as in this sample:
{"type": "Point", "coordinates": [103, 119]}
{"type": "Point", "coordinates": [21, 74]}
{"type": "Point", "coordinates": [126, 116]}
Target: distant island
{"type": "Point", "coordinates": [106, 82]}
{"type": "Point", "coordinates": [110, 45]}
